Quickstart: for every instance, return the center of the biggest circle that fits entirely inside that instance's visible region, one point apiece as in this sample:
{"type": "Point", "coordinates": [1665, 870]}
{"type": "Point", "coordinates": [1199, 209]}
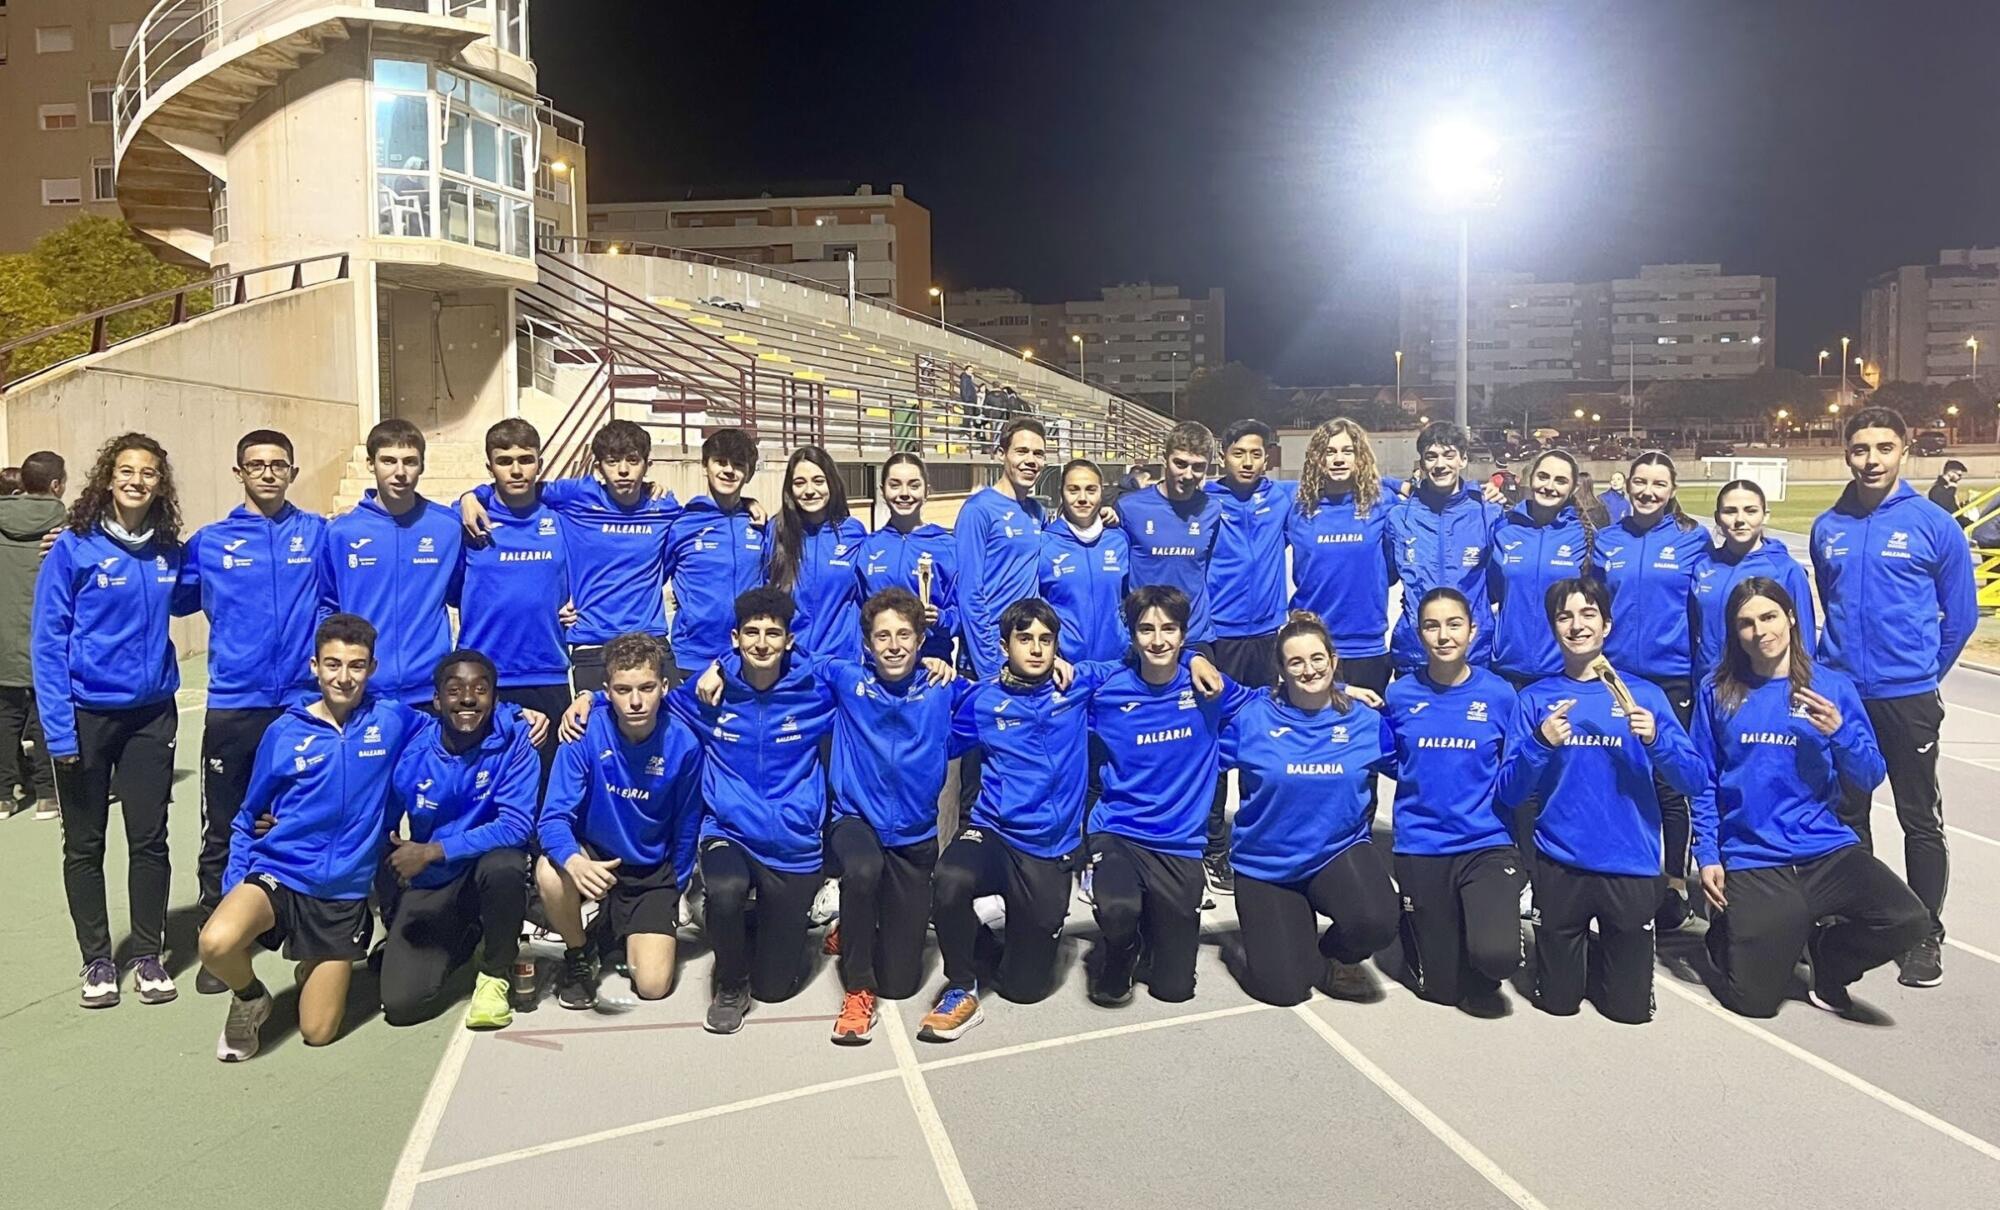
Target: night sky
{"type": "Point", "coordinates": [1270, 148]}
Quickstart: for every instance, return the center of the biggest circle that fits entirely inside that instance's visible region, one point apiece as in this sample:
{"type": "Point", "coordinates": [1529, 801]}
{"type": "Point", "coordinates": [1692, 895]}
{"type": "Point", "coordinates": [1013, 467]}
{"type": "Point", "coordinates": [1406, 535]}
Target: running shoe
{"type": "Point", "coordinates": [832, 943]}
{"type": "Point", "coordinates": [991, 911]}
{"type": "Point", "coordinates": [47, 809]}
{"type": "Point", "coordinates": [208, 983]}
{"type": "Point", "coordinates": [1822, 991]}
{"type": "Point", "coordinates": [1672, 913]}
{"type": "Point", "coordinates": [856, 1023]}
{"type": "Point", "coordinates": [1114, 989]}
{"type": "Point", "coordinates": [1349, 981]}
{"type": "Point", "coordinates": [152, 982]}
{"type": "Point", "coordinates": [1086, 885]}
{"type": "Point", "coordinates": [100, 983]}
{"type": "Point", "coordinates": [490, 1007]}
{"type": "Point", "coordinates": [727, 1010]}
{"type": "Point", "coordinates": [239, 1038]}
{"type": "Point", "coordinates": [1923, 966]}
{"type": "Point", "coordinates": [957, 1010]}
{"type": "Point", "coordinates": [1220, 875]}
{"type": "Point", "coordinates": [576, 981]}
{"type": "Point", "coordinates": [825, 904]}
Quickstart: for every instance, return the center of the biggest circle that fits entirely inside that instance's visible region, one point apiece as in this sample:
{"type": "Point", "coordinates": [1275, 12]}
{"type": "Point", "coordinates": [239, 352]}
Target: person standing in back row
{"type": "Point", "coordinates": [1895, 580]}
{"type": "Point", "coordinates": [25, 520]}
{"type": "Point", "coordinates": [1438, 539]}
{"type": "Point", "coordinates": [999, 534]}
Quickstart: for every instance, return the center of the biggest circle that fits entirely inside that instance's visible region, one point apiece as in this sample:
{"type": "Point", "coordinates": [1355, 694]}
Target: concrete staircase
{"type": "Point", "coordinates": [451, 468]}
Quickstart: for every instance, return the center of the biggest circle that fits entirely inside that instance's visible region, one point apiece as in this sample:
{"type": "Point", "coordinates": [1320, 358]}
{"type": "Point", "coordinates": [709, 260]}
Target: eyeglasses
{"type": "Point", "coordinates": [280, 468]}
{"type": "Point", "coordinates": [144, 474]}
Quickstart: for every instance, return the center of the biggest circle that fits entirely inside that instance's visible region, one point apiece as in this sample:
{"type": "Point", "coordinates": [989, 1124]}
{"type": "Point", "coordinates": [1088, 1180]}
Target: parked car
{"type": "Point", "coordinates": [1713, 449]}
{"type": "Point", "coordinates": [1928, 444]}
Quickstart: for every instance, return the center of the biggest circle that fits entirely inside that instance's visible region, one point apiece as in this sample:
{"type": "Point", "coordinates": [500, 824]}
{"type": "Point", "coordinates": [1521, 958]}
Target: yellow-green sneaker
{"type": "Point", "coordinates": [490, 1009]}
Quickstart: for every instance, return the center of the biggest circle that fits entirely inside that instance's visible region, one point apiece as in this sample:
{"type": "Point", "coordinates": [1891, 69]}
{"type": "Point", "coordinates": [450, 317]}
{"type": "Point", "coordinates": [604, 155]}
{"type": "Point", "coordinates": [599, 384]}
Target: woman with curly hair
{"type": "Point", "coordinates": [1340, 564]}
{"type": "Point", "coordinates": [105, 677]}
{"type": "Point", "coordinates": [813, 552]}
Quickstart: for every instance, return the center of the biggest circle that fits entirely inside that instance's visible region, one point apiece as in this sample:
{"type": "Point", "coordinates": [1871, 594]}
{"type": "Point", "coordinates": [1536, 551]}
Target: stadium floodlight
{"type": "Point", "coordinates": [1462, 165]}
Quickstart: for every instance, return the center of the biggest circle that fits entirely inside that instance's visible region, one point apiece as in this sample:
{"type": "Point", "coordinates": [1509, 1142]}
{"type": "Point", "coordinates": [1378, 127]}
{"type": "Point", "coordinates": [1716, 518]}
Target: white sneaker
{"type": "Point", "coordinates": [47, 809]}
{"type": "Point", "coordinates": [239, 1038]}
{"type": "Point", "coordinates": [991, 910]}
{"type": "Point", "coordinates": [826, 903]}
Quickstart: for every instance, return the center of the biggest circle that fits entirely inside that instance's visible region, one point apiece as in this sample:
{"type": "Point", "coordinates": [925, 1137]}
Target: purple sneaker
{"type": "Point", "coordinates": [151, 980]}
{"type": "Point", "coordinates": [100, 983]}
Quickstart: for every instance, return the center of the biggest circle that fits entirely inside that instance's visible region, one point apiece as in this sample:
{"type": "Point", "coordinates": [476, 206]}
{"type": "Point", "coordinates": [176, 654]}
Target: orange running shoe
{"type": "Point", "coordinates": [856, 1023]}
{"type": "Point", "coordinates": [832, 943]}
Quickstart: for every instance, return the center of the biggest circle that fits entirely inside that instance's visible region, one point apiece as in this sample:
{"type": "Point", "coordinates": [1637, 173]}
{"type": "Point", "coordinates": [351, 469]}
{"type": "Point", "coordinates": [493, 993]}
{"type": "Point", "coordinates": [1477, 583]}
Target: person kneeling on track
{"type": "Point", "coordinates": [322, 774]}
{"type": "Point", "coordinates": [1586, 743]}
{"type": "Point", "coordinates": [1456, 865]}
{"type": "Point", "coordinates": [467, 783]}
{"type": "Point", "coordinates": [618, 825]}
{"type": "Point", "coordinates": [1784, 740]}
{"type": "Point", "coordinates": [1307, 754]}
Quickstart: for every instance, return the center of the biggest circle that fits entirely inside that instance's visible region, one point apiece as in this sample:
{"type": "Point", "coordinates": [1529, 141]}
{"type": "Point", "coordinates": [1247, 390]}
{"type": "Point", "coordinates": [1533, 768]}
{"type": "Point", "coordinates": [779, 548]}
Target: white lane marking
{"type": "Point", "coordinates": [1092, 1035]}
{"type": "Point", "coordinates": [417, 1148]}
{"type": "Point", "coordinates": [1461, 1146]}
{"type": "Point", "coordinates": [1974, 950]}
{"type": "Point", "coordinates": [958, 1193]}
{"type": "Point", "coordinates": [1877, 1094]}
{"type": "Point", "coordinates": [1955, 830]}
{"type": "Point", "coordinates": [651, 1124]}
{"type": "Point", "coordinates": [1971, 709]}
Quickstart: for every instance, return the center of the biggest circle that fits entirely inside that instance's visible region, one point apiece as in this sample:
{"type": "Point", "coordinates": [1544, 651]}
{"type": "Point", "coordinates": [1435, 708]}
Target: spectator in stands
{"type": "Point", "coordinates": [1944, 491]}
{"type": "Point", "coordinates": [968, 387]}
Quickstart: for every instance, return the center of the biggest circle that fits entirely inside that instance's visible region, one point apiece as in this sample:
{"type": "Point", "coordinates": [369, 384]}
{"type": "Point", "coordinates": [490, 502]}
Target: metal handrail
{"type": "Point", "coordinates": [227, 290]}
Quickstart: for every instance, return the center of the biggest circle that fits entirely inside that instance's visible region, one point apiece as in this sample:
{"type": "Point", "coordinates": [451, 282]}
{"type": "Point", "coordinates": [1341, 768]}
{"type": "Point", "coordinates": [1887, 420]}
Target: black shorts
{"type": "Point", "coordinates": [310, 929]}
{"type": "Point", "coordinates": [645, 899]}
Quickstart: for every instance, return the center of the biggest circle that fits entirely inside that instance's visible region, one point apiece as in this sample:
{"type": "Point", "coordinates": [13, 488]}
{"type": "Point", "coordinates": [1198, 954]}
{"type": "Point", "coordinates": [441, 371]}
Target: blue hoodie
{"type": "Point", "coordinates": [1246, 579]}
{"type": "Point", "coordinates": [889, 560]}
{"type": "Point", "coordinates": [1718, 576]}
{"type": "Point", "coordinates": [1897, 587]}
{"type": "Point", "coordinates": [617, 557]}
{"type": "Point", "coordinates": [400, 573]}
{"type": "Point", "coordinates": [999, 538]}
{"type": "Point", "coordinates": [470, 803]}
{"type": "Point", "coordinates": [100, 637]}
{"type": "Point", "coordinates": [259, 584]}
{"type": "Point", "coordinates": [1776, 782]}
{"type": "Point", "coordinates": [1084, 582]}
{"type": "Point", "coordinates": [1600, 811]}
{"type": "Point", "coordinates": [713, 557]}
{"type": "Point", "coordinates": [1441, 544]}
{"type": "Point", "coordinates": [1174, 544]}
{"type": "Point", "coordinates": [515, 586]}
{"type": "Point", "coordinates": [889, 748]}
{"type": "Point", "coordinates": [1161, 749]}
{"type": "Point", "coordinates": [1340, 564]}
{"type": "Point", "coordinates": [1036, 764]}
{"type": "Point", "coordinates": [1526, 560]}
{"type": "Point", "coordinates": [1616, 506]}
{"type": "Point", "coordinates": [1451, 744]}
{"type": "Point", "coordinates": [1306, 779]}
{"type": "Point", "coordinates": [761, 780]}
{"type": "Point", "coordinates": [639, 803]}
{"type": "Point", "coordinates": [328, 789]}
{"type": "Point", "coordinates": [1651, 574]}
{"type": "Point", "coordinates": [827, 588]}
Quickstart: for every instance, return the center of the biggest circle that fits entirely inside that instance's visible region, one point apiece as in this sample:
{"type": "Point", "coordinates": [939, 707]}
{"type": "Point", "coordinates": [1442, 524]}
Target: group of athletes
{"type": "Point", "coordinates": [1594, 697]}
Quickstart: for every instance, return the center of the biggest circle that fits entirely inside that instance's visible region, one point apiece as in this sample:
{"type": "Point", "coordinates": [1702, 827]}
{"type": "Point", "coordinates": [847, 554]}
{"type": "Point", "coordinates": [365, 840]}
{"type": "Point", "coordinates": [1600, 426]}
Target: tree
{"type": "Point", "coordinates": [28, 305]}
{"type": "Point", "coordinates": [88, 265]}
{"type": "Point", "coordinates": [1222, 396]}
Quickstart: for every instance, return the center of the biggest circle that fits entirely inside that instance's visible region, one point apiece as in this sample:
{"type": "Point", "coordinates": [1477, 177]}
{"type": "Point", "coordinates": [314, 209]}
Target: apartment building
{"type": "Point", "coordinates": [1141, 340]}
{"type": "Point", "coordinates": [1917, 320]}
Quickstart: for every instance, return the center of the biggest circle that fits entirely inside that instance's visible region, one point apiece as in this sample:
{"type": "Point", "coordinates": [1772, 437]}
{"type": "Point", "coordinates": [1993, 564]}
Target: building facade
{"type": "Point", "coordinates": [1141, 340]}
{"type": "Point", "coordinates": [888, 235]}
{"type": "Point", "coordinates": [1916, 320]}
{"type": "Point", "coordinates": [59, 64]}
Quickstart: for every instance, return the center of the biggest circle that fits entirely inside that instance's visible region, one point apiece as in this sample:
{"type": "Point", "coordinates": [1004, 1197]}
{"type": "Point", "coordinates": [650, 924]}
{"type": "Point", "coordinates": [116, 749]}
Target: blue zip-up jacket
{"type": "Point", "coordinates": [471, 803]}
{"type": "Point", "coordinates": [1600, 811]}
{"type": "Point", "coordinates": [1775, 782]}
{"type": "Point", "coordinates": [400, 573]}
{"type": "Point", "coordinates": [100, 637]}
{"type": "Point", "coordinates": [1897, 588]}
{"type": "Point", "coordinates": [1719, 575]}
{"type": "Point", "coordinates": [1160, 745]}
{"type": "Point", "coordinates": [1651, 576]}
{"type": "Point", "coordinates": [998, 541]}
{"type": "Point", "coordinates": [1174, 544]}
{"type": "Point", "coordinates": [1246, 578]}
{"type": "Point", "coordinates": [259, 584]}
{"type": "Point", "coordinates": [828, 589]}
{"type": "Point", "coordinates": [617, 558]}
{"type": "Point", "coordinates": [713, 557]}
{"type": "Point", "coordinates": [1305, 780]}
{"type": "Point", "coordinates": [1036, 763]}
{"type": "Point", "coordinates": [639, 803]}
{"type": "Point", "coordinates": [762, 785]}
{"type": "Point", "coordinates": [1441, 544]}
{"type": "Point", "coordinates": [1341, 570]}
{"type": "Point", "coordinates": [1451, 743]}
{"type": "Point", "coordinates": [1084, 582]}
{"type": "Point", "coordinates": [889, 746]}
{"type": "Point", "coordinates": [889, 560]}
{"type": "Point", "coordinates": [1526, 559]}
{"type": "Point", "coordinates": [328, 790]}
{"type": "Point", "coordinates": [1616, 506]}
{"type": "Point", "coordinates": [514, 588]}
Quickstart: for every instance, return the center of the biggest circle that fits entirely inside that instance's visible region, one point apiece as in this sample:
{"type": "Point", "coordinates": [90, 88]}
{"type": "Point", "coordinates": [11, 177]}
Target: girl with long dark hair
{"type": "Point", "coordinates": [814, 549]}
{"type": "Point", "coordinates": [1740, 551]}
{"type": "Point", "coordinates": [915, 555]}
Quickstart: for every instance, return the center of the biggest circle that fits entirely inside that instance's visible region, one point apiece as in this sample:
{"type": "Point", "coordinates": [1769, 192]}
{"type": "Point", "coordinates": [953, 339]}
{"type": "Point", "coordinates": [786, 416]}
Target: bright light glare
{"type": "Point", "coordinates": [1460, 159]}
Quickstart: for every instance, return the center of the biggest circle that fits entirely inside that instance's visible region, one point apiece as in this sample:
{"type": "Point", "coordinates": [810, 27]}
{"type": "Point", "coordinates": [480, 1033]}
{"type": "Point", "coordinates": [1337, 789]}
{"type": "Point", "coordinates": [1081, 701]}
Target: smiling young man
{"type": "Point", "coordinates": [394, 559]}
{"type": "Point", "coordinates": [715, 553]}
{"type": "Point", "coordinates": [1246, 577]}
{"type": "Point", "coordinates": [322, 774]}
{"type": "Point", "coordinates": [999, 533]}
{"type": "Point", "coordinates": [1895, 583]}
{"type": "Point", "coordinates": [1438, 538]}
{"type": "Point", "coordinates": [468, 784]}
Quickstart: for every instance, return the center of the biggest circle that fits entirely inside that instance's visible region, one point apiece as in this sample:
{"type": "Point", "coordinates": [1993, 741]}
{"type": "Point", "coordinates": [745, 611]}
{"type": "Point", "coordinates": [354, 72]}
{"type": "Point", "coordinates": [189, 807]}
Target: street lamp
{"type": "Point", "coordinates": [1596, 419]}
{"type": "Point", "coordinates": [939, 295]}
{"type": "Point", "coordinates": [1462, 175]}
{"type": "Point", "coordinates": [1843, 369]}
{"type": "Point", "coordinates": [1076, 339]}
{"type": "Point", "coordinates": [1399, 380]}
{"type": "Point", "coordinates": [1972, 342]}
{"type": "Point", "coordinates": [1173, 381]}
{"type": "Point", "coordinates": [1027, 354]}
{"type": "Point", "coordinates": [1823, 355]}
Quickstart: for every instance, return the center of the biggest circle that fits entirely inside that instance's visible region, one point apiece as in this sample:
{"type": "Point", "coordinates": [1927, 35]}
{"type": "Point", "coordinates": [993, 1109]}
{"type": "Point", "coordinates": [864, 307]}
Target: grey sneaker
{"type": "Point", "coordinates": [1923, 966]}
{"type": "Point", "coordinates": [1349, 981]}
{"type": "Point", "coordinates": [726, 1012]}
{"type": "Point", "coordinates": [100, 983]}
{"type": "Point", "coordinates": [239, 1038]}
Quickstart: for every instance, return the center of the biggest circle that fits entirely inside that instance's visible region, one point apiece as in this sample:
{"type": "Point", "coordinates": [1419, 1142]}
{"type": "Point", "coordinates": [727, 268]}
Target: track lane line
{"type": "Point", "coordinates": [957, 1192]}
{"type": "Point", "coordinates": [430, 1115]}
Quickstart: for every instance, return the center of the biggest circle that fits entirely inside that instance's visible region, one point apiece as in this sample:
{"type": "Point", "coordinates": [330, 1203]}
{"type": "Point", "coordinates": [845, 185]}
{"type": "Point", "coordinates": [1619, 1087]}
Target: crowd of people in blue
{"type": "Point", "coordinates": [1590, 718]}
